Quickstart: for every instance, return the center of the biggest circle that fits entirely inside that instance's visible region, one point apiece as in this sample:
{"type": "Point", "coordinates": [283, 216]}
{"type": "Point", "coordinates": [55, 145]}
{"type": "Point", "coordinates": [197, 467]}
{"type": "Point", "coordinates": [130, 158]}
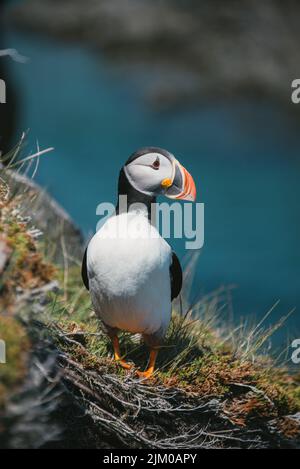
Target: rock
{"type": "Point", "coordinates": [29, 419]}
{"type": "Point", "coordinates": [35, 299]}
{"type": "Point", "coordinates": [48, 217]}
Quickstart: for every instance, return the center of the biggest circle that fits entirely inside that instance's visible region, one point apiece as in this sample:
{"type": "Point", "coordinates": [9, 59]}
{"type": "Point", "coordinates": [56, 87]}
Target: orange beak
{"type": "Point", "coordinates": [183, 185]}
{"type": "Point", "coordinates": [189, 188]}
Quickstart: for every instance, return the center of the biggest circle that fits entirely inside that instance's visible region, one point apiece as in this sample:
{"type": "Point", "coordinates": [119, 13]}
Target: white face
{"type": "Point", "coordinates": [147, 172]}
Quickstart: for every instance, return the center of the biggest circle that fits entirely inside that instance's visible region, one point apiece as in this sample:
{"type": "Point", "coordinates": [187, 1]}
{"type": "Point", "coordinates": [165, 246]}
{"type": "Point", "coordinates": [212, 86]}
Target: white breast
{"type": "Point", "coordinates": [128, 267]}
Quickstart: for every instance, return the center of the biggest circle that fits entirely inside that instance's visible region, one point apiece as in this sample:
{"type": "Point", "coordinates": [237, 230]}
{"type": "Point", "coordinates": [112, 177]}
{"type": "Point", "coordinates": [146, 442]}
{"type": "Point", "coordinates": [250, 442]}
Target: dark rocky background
{"type": "Point", "coordinates": [192, 50]}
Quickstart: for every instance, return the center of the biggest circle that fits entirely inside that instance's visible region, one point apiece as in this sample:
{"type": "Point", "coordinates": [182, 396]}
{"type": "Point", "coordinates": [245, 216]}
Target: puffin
{"type": "Point", "coordinates": [130, 270]}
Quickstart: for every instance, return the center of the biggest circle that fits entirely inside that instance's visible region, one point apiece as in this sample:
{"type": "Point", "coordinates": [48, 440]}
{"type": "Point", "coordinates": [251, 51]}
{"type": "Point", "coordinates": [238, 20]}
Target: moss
{"type": "Point", "coordinates": [26, 267]}
{"type": "Point", "coordinates": [211, 374]}
{"type": "Point", "coordinates": [281, 388]}
{"type": "Point", "coordinates": [289, 427]}
{"type": "Point", "coordinates": [251, 408]}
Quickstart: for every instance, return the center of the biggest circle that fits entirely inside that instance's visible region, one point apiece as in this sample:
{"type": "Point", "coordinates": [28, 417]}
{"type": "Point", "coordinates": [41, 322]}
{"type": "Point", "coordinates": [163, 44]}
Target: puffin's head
{"type": "Point", "coordinates": [153, 171]}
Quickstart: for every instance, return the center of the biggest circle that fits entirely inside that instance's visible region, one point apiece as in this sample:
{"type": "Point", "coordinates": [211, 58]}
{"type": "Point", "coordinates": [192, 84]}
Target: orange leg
{"type": "Point", "coordinates": [146, 374]}
{"type": "Point", "coordinates": [117, 354]}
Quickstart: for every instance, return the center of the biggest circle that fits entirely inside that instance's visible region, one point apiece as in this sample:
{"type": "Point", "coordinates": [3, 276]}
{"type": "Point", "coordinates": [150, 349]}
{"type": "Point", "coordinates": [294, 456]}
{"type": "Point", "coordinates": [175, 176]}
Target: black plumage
{"type": "Point", "coordinates": [84, 273]}
{"type": "Point", "coordinates": [176, 276]}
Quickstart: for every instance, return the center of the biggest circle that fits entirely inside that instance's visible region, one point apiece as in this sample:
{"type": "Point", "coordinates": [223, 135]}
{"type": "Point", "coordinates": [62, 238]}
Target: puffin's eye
{"type": "Point", "coordinates": [156, 163]}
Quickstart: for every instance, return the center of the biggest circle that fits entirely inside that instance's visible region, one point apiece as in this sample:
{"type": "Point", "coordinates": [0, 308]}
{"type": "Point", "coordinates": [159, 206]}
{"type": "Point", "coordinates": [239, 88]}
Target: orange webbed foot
{"type": "Point", "coordinates": [117, 354]}
{"type": "Point", "coordinates": [123, 364]}
{"type": "Point", "coordinates": [149, 372]}
{"type": "Point", "coordinates": [144, 374]}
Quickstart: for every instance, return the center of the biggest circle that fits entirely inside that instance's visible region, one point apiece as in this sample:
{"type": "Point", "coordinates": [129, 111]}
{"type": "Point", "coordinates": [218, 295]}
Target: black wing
{"type": "Point", "coordinates": [176, 276]}
{"type": "Point", "coordinates": [84, 273]}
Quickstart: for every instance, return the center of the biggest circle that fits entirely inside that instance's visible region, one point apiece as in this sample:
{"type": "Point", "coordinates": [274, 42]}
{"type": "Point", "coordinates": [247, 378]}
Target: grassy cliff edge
{"type": "Point", "coordinates": [214, 386]}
